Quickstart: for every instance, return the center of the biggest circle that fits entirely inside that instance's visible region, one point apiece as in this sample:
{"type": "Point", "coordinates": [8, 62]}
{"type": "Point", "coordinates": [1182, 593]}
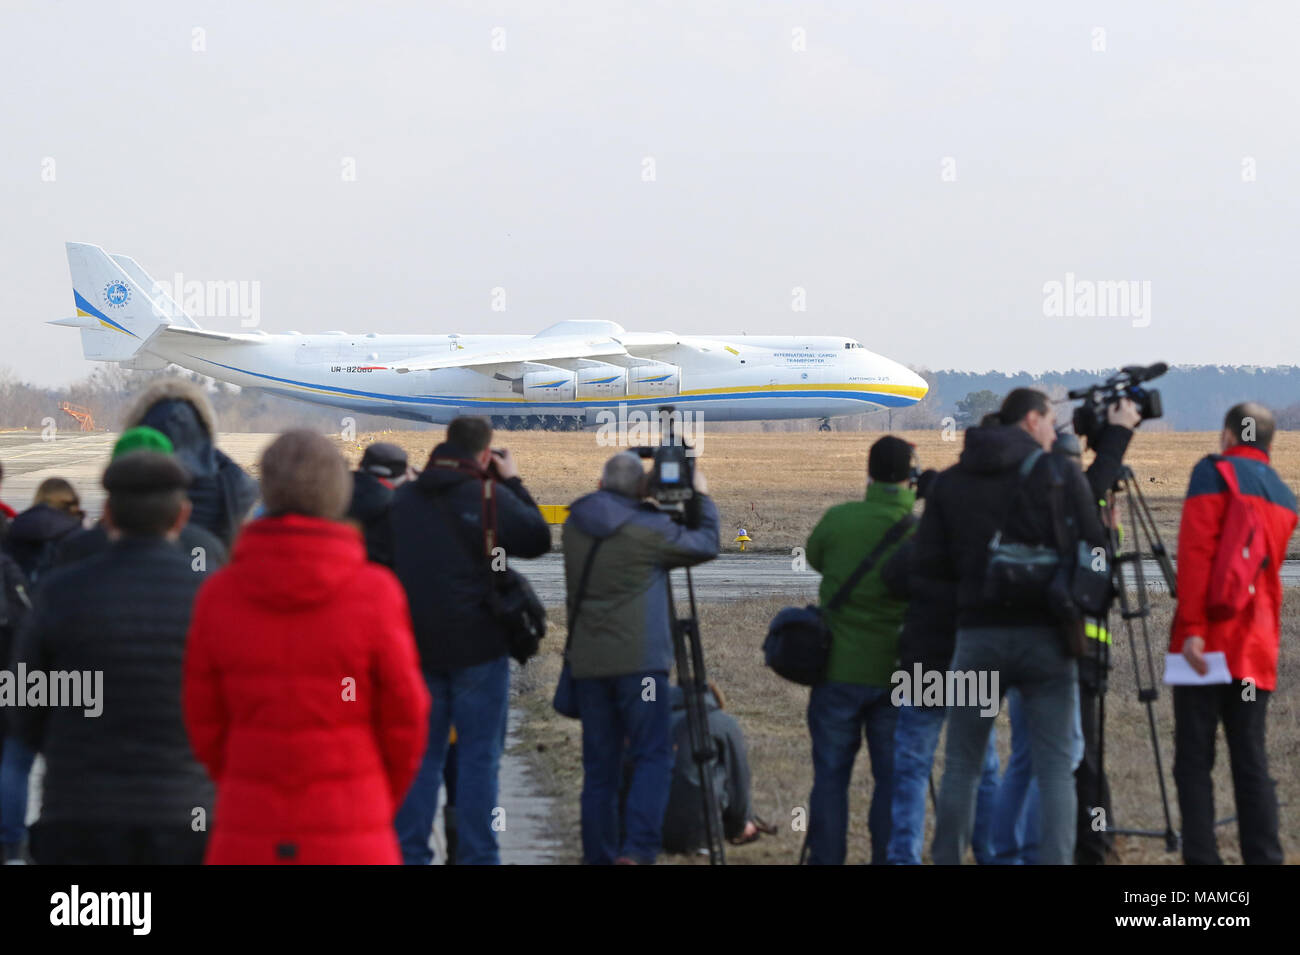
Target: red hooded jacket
{"type": "Point", "coordinates": [1250, 639]}
{"type": "Point", "coordinates": [303, 697]}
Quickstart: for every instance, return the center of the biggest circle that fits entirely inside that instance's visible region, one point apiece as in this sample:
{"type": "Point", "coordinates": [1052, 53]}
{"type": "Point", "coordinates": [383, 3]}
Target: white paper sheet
{"type": "Point", "coordinates": [1178, 672]}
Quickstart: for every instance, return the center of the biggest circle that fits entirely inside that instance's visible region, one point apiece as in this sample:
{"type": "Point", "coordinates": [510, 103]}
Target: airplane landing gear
{"type": "Point", "coordinates": [825, 425]}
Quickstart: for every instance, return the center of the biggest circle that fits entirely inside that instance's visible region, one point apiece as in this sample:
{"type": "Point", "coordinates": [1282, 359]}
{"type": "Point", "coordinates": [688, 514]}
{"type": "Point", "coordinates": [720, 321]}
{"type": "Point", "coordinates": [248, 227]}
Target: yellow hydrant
{"type": "Point", "coordinates": [743, 538]}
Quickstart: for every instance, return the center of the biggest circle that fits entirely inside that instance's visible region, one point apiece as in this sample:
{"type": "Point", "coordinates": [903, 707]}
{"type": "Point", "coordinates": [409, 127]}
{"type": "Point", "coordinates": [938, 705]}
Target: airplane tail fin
{"type": "Point", "coordinates": [166, 304]}
{"type": "Point", "coordinates": [116, 315]}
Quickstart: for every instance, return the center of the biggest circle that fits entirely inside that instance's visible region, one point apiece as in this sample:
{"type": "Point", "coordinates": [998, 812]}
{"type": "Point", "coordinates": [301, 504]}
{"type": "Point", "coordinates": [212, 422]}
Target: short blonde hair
{"type": "Point", "coordinates": [303, 473]}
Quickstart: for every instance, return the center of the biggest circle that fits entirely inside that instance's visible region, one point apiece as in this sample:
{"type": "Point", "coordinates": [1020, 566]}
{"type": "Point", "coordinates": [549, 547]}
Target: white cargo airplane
{"type": "Point", "coordinates": [563, 377]}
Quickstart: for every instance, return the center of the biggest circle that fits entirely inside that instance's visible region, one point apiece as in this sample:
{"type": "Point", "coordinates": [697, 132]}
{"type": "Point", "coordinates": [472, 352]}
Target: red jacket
{"type": "Point", "coordinates": [303, 697]}
{"type": "Point", "coordinates": [1250, 639]}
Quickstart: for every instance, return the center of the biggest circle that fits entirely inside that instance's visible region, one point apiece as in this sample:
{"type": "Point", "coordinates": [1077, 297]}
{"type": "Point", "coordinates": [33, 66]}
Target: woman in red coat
{"type": "Point", "coordinates": [302, 692]}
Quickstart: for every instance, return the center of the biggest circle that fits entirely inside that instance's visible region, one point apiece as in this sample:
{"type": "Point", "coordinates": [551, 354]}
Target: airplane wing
{"type": "Point", "coordinates": [548, 349]}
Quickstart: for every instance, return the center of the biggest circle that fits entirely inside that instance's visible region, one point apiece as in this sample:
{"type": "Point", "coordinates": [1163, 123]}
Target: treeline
{"type": "Point", "coordinates": [1194, 396]}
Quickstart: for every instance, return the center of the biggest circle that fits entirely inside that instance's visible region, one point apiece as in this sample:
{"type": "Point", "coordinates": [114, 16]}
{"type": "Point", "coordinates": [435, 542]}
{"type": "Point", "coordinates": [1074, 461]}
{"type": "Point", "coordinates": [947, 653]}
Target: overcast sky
{"type": "Point", "coordinates": [920, 170]}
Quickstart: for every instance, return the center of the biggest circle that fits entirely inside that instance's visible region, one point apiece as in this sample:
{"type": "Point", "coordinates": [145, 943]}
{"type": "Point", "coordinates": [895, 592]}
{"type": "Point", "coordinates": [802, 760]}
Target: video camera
{"type": "Point", "coordinates": [1090, 417]}
{"type": "Point", "coordinates": [671, 481]}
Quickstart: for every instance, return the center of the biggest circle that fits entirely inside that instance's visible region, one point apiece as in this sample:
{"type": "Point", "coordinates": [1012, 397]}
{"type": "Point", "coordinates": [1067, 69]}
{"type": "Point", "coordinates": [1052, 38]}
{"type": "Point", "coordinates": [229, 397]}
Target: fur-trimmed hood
{"type": "Point", "coordinates": [172, 389]}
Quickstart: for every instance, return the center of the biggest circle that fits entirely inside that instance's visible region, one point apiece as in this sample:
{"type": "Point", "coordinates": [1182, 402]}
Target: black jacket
{"type": "Point", "coordinates": [35, 535]}
{"type": "Point", "coordinates": [126, 613]}
{"type": "Point", "coordinates": [94, 540]}
{"type": "Point", "coordinates": [15, 603]}
{"type": "Point", "coordinates": [222, 494]}
{"type": "Point", "coordinates": [371, 499]}
{"type": "Point", "coordinates": [437, 527]}
{"type": "Point", "coordinates": [973, 498]}
{"type": "Point", "coordinates": [929, 634]}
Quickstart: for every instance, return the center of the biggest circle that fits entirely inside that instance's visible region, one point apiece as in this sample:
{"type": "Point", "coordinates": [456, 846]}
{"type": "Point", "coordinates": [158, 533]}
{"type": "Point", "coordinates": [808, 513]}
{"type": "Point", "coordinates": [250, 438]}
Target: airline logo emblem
{"type": "Point", "coordinates": [116, 294]}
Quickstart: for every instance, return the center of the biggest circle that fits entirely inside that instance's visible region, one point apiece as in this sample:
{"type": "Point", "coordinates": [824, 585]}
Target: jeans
{"type": "Point", "coordinates": [1032, 659]}
{"type": "Point", "coordinates": [1015, 817]}
{"type": "Point", "coordinates": [476, 700]}
{"type": "Point", "coordinates": [1197, 712]}
{"type": "Point", "coordinates": [623, 718]}
{"type": "Point", "coordinates": [915, 740]}
{"type": "Point", "coordinates": [838, 715]}
{"type": "Point", "coordinates": [15, 768]}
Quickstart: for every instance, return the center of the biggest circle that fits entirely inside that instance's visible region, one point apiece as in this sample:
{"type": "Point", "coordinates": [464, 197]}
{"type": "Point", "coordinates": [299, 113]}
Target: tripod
{"type": "Point", "coordinates": [1127, 569]}
{"type": "Point", "coordinates": [694, 683]}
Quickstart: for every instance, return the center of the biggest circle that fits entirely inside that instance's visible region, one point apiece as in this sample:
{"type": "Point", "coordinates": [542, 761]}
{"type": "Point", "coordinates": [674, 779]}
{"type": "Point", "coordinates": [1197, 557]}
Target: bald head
{"type": "Point", "coordinates": [623, 474]}
{"type": "Point", "coordinates": [1249, 424]}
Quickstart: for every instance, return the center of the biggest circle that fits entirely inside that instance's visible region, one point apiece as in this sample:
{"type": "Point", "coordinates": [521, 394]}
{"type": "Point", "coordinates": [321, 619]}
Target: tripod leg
{"type": "Point", "coordinates": [691, 678]}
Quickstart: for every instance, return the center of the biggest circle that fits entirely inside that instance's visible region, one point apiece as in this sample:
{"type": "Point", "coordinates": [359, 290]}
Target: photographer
{"type": "Point", "coordinates": [618, 548]}
{"type": "Point", "coordinates": [1006, 484]}
{"type": "Point", "coordinates": [440, 523]}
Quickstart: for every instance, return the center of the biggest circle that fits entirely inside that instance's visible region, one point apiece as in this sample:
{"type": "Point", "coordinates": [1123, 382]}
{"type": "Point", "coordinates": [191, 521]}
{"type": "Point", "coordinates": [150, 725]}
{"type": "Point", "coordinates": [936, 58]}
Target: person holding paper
{"type": "Point", "coordinates": [1229, 492]}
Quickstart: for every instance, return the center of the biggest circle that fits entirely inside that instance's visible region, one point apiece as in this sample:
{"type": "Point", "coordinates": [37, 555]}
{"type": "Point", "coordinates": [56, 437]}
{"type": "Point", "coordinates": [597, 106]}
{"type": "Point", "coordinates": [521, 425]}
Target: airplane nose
{"type": "Point", "coordinates": [910, 379]}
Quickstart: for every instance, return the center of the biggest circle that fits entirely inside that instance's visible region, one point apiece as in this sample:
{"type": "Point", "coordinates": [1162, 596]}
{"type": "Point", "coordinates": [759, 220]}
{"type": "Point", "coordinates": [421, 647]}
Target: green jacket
{"type": "Point", "coordinates": [864, 631]}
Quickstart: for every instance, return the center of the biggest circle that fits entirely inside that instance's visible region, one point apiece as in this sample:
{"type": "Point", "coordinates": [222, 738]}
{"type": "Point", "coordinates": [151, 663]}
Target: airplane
{"type": "Point", "coordinates": [565, 377]}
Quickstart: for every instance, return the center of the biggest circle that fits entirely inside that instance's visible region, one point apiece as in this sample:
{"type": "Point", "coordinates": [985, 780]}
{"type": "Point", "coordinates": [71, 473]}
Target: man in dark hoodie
{"type": "Point", "coordinates": [620, 651]}
{"type": "Point", "coordinates": [451, 529]}
{"type": "Point", "coordinates": [222, 494]}
{"type": "Point", "coordinates": [1002, 482]}
{"type": "Point", "coordinates": [383, 469]}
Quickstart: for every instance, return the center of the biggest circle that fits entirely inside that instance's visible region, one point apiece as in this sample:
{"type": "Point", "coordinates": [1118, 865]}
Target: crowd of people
{"type": "Point", "coordinates": [962, 593]}
{"type": "Point", "coordinates": [294, 668]}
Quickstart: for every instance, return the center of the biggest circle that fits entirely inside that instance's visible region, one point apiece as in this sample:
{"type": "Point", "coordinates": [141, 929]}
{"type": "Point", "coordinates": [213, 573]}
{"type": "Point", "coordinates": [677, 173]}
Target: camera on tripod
{"type": "Point", "coordinates": [671, 480]}
{"type": "Point", "coordinates": [1090, 417]}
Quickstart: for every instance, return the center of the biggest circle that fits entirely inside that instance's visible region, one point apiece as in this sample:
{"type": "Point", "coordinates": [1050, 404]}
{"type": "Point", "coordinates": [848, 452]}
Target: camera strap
{"type": "Point", "coordinates": [582, 589]}
{"type": "Point", "coordinates": [1026, 468]}
{"type": "Point", "coordinates": [892, 536]}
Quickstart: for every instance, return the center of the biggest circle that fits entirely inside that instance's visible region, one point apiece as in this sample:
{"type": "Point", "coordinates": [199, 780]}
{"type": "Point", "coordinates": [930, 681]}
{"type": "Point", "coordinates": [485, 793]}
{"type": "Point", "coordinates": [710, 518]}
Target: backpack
{"type": "Point", "coordinates": [1242, 553]}
{"type": "Point", "coordinates": [798, 643]}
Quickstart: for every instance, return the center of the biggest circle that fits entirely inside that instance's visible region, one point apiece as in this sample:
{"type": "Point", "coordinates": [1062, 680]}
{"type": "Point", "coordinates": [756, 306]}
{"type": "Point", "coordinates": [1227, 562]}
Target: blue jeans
{"type": "Point", "coordinates": [838, 716]}
{"type": "Point", "coordinates": [1032, 659]}
{"type": "Point", "coordinates": [1015, 823]}
{"type": "Point", "coordinates": [1015, 820]}
{"type": "Point", "coordinates": [476, 701]}
{"type": "Point", "coordinates": [915, 740]}
{"type": "Point", "coordinates": [623, 720]}
{"type": "Point", "coordinates": [15, 769]}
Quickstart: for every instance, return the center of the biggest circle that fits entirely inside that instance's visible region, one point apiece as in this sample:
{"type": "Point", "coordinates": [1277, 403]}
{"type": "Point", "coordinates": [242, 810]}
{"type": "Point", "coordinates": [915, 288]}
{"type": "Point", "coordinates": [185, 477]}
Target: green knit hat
{"type": "Point", "coordinates": [142, 439]}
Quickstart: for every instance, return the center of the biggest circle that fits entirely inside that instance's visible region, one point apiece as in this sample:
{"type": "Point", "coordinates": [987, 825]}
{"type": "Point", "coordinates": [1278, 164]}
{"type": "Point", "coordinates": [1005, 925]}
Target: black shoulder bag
{"type": "Point", "coordinates": [511, 600]}
{"type": "Point", "coordinates": [798, 643]}
{"type": "Point", "coordinates": [565, 701]}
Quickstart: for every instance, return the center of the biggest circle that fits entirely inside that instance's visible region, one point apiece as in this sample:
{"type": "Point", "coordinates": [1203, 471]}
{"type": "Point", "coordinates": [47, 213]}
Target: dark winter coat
{"type": "Point", "coordinates": [124, 612]}
{"type": "Point", "coordinates": [983, 492]}
{"type": "Point", "coordinates": [439, 556]}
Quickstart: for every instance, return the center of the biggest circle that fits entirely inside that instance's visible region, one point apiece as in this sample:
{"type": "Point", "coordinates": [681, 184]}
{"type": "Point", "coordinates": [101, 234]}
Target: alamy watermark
{"type": "Point", "coordinates": [1086, 298]}
{"type": "Point", "coordinates": [83, 689]}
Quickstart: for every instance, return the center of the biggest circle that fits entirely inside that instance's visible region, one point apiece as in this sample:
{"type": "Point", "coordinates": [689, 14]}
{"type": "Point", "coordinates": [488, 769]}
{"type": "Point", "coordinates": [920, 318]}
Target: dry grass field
{"type": "Point", "coordinates": [777, 486]}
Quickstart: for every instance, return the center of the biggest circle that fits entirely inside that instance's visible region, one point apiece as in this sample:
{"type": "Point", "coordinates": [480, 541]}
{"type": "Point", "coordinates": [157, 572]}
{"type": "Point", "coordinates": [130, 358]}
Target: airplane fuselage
{"type": "Point", "coordinates": [731, 378]}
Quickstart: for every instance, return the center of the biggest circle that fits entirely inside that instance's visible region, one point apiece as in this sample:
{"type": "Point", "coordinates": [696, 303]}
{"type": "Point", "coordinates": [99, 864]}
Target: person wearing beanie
{"type": "Point", "coordinates": [121, 785]}
{"type": "Point", "coordinates": [383, 469]}
{"type": "Point", "coordinates": [206, 552]}
{"type": "Point", "coordinates": [302, 689]}
{"type": "Point", "coordinates": [854, 697]}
